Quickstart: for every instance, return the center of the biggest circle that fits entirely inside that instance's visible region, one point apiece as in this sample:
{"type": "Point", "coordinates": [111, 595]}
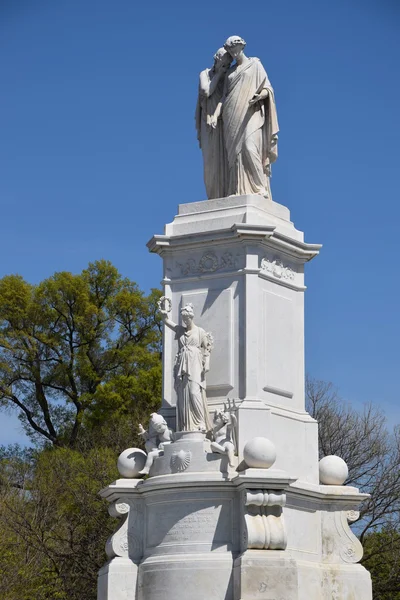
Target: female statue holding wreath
{"type": "Point", "coordinates": [191, 365]}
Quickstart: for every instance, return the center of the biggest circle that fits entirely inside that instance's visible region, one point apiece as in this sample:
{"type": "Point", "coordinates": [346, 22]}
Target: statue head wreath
{"type": "Point", "coordinates": [234, 40]}
{"type": "Point", "coordinates": [188, 310]}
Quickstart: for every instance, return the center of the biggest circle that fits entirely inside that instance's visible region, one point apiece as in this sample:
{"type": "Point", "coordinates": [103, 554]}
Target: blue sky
{"type": "Point", "coordinates": [98, 147]}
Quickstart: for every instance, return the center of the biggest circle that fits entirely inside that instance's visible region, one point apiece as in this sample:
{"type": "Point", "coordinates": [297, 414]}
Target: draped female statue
{"type": "Point", "coordinates": [211, 86]}
{"type": "Point", "coordinates": [250, 125]}
{"type": "Point", "coordinates": [191, 364]}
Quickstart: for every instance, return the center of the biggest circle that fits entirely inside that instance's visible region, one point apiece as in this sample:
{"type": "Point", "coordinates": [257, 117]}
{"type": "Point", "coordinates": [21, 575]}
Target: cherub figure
{"type": "Point", "coordinates": [156, 437]}
{"type": "Point", "coordinates": [224, 434]}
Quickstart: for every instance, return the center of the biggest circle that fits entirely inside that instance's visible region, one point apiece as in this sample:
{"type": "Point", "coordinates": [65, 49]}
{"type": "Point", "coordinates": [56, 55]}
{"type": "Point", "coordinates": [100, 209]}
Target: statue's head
{"type": "Point", "coordinates": [222, 59]}
{"type": "Point", "coordinates": [158, 423]}
{"type": "Point", "coordinates": [187, 313]}
{"type": "Point", "coordinates": [221, 417]}
{"type": "Point", "coordinates": [234, 45]}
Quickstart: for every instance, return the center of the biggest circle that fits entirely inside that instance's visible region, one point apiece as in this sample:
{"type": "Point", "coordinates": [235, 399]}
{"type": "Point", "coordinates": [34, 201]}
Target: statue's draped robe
{"type": "Point", "coordinates": [250, 132]}
{"type": "Point", "coordinates": [211, 140]}
{"type": "Point", "coordinates": [192, 410]}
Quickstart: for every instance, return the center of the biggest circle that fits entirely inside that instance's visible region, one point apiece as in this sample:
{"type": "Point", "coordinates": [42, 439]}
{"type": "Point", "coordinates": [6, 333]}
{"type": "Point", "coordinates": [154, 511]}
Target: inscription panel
{"type": "Point", "coordinates": [189, 521]}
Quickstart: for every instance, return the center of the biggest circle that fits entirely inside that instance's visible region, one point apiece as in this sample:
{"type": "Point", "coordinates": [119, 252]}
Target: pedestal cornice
{"type": "Point", "coordinates": [260, 234]}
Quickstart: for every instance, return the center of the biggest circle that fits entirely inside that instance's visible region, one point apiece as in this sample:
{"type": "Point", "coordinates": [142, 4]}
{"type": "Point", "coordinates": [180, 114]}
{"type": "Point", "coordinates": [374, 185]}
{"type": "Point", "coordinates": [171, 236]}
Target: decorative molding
{"type": "Point", "coordinates": [264, 525]}
{"type": "Point", "coordinates": [277, 269]}
{"type": "Point", "coordinates": [210, 262]}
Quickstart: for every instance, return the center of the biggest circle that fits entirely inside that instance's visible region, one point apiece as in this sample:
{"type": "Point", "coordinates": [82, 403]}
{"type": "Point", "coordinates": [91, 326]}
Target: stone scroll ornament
{"type": "Point", "coordinates": [237, 125]}
{"type": "Point", "coordinates": [191, 365]}
{"type": "Point", "coordinates": [264, 525]}
{"type": "Point", "coordinates": [339, 544]}
{"type": "Point", "coordinates": [127, 541]}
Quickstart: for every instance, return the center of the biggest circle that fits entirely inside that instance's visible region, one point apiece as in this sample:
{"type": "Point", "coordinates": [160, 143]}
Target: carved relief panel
{"type": "Point", "coordinates": [204, 263]}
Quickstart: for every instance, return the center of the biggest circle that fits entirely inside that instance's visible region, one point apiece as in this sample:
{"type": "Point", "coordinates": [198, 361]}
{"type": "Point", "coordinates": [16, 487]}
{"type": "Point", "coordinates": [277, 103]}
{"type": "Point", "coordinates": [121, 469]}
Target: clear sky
{"type": "Point", "coordinates": [98, 147]}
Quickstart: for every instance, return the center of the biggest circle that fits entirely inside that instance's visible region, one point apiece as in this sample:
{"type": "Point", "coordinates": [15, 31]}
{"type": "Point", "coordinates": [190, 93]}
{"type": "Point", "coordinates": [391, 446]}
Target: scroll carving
{"type": "Point", "coordinates": [339, 544]}
{"type": "Point", "coordinates": [351, 550]}
{"type": "Point", "coordinates": [264, 525]}
{"type": "Point", "coordinates": [127, 540]}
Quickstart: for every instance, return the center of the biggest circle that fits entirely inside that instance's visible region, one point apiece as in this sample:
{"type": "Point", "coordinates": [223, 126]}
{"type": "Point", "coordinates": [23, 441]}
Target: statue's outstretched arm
{"type": "Point", "coordinates": [170, 323]}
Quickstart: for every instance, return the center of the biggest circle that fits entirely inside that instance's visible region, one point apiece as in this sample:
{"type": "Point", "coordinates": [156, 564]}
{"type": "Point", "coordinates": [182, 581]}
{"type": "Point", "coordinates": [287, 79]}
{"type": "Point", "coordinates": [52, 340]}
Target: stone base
{"type": "Point", "coordinates": [277, 576]}
{"type": "Point", "coordinates": [192, 577]}
{"type": "Point", "coordinates": [253, 535]}
{"type": "Point", "coordinates": [117, 580]}
{"type": "Point", "coordinates": [255, 575]}
{"type": "Point", "coordinates": [266, 576]}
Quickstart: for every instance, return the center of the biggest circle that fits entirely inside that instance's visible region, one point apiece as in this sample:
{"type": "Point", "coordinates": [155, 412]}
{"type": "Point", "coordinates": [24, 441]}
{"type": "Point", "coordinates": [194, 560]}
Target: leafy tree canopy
{"type": "Point", "coordinates": [77, 350]}
{"type": "Point", "coordinates": [54, 524]}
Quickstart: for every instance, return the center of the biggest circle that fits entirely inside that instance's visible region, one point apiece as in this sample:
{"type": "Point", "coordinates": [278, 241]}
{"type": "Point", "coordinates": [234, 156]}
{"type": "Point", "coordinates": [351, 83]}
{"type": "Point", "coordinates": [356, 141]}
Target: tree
{"type": "Point", "coordinates": [382, 552]}
{"type": "Point", "coordinates": [76, 349]}
{"type": "Point", "coordinates": [80, 359]}
{"type": "Point", "coordinates": [372, 454]}
{"type": "Point", "coordinates": [54, 524]}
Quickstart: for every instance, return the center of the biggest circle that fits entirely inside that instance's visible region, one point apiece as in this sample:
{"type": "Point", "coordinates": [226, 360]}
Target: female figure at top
{"type": "Point", "coordinates": [250, 124]}
{"type": "Point", "coordinates": [211, 87]}
{"type": "Point", "coordinates": [191, 365]}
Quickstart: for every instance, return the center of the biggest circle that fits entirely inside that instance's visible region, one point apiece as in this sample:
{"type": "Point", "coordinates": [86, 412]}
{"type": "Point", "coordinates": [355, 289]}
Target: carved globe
{"type": "Point", "coordinates": [131, 461]}
{"type": "Point", "coordinates": [259, 453]}
{"type": "Point", "coordinates": [332, 470]}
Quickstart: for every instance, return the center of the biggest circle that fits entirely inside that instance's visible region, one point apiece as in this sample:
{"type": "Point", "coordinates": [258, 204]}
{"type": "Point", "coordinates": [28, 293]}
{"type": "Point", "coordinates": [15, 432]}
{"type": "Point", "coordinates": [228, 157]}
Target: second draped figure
{"type": "Point", "coordinates": [237, 125]}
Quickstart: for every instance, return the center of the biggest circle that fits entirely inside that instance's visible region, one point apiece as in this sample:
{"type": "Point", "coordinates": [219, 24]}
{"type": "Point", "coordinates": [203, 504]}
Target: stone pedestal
{"type": "Point", "coordinates": [240, 261]}
{"type": "Point", "coordinates": [196, 527]}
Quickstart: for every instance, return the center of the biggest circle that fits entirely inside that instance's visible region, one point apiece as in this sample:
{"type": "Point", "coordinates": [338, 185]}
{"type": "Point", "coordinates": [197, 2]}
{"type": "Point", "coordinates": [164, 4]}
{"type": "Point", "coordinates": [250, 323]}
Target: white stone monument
{"type": "Point", "coordinates": [235, 506]}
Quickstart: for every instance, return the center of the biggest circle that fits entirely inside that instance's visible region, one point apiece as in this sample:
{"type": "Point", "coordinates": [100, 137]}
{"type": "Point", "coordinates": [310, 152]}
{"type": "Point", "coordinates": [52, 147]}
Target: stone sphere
{"type": "Point", "coordinates": [259, 453]}
{"type": "Point", "coordinates": [332, 470]}
{"type": "Point", "coordinates": [131, 461]}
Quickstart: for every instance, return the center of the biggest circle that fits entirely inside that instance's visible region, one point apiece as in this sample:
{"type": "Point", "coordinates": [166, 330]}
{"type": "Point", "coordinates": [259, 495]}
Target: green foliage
{"type": "Point", "coordinates": [76, 349]}
{"type": "Point", "coordinates": [80, 359]}
{"type": "Point", "coordinates": [382, 559]}
{"type": "Point", "coordinates": [55, 525]}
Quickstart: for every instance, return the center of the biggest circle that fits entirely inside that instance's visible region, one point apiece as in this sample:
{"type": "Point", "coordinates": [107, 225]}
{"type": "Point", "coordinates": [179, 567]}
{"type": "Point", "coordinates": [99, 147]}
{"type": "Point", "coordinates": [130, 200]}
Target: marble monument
{"type": "Point", "coordinates": [231, 502]}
